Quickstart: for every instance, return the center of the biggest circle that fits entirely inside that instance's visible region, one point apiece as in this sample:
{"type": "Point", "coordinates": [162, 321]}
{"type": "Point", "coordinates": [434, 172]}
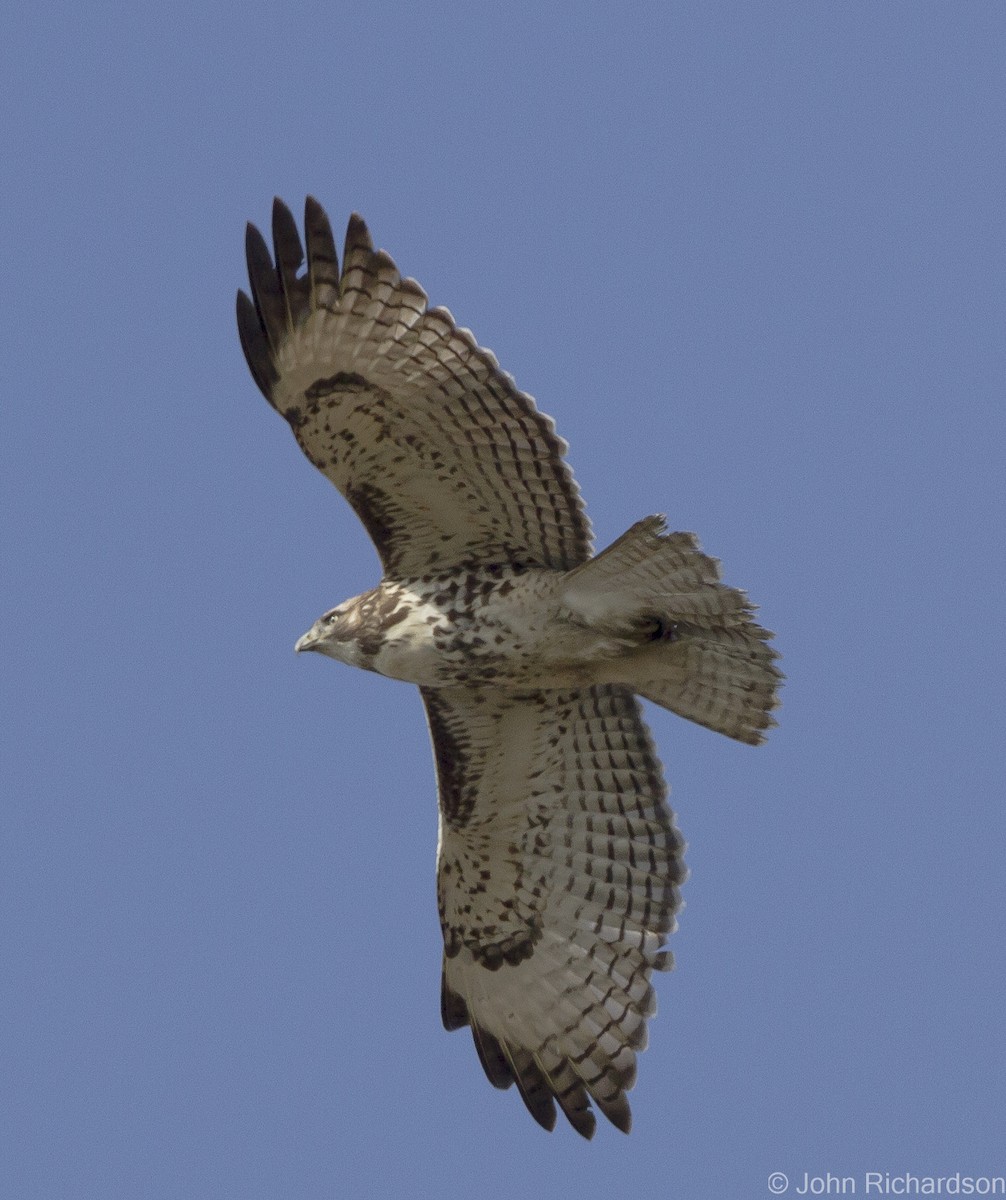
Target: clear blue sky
{"type": "Point", "coordinates": [751, 258]}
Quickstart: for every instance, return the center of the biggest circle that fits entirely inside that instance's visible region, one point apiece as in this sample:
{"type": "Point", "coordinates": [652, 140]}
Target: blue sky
{"type": "Point", "coordinates": [750, 257]}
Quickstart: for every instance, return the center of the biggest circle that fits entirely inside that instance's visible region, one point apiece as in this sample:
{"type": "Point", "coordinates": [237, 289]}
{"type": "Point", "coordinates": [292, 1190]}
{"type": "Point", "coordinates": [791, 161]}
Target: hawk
{"type": "Point", "coordinates": [558, 861]}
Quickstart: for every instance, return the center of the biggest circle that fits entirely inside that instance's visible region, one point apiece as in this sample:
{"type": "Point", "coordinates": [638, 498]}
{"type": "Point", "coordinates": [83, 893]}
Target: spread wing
{"type": "Point", "coordinates": [558, 874]}
{"type": "Point", "coordinates": [446, 463]}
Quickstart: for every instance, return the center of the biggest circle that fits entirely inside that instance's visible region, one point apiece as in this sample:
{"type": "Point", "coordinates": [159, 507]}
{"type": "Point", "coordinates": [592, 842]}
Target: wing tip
{"type": "Point", "coordinates": [493, 1057]}
{"type": "Point", "coordinates": [505, 1065]}
{"type": "Point", "coordinates": [453, 1010]}
{"type": "Point", "coordinates": [280, 209]}
{"type": "Point", "coordinates": [617, 1111]}
{"type": "Point", "coordinates": [357, 235]}
{"type": "Point", "coordinates": [255, 345]}
{"type": "Point", "coordinates": [534, 1089]}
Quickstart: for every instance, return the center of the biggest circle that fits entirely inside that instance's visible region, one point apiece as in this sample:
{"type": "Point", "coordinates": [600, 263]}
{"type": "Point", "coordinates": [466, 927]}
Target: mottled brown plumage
{"type": "Point", "coordinates": [558, 860]}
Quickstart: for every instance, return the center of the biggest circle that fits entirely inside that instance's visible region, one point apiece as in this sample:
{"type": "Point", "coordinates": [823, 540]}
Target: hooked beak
{"type": "Point", "coordinates": [308, 642]}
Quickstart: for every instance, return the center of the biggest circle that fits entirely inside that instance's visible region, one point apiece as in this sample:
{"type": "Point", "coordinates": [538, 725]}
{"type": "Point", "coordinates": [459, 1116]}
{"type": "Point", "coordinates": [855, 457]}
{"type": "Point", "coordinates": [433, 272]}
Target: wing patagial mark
{"type": "Point", "coordinates": [378, 512]}
{"type": "Point", "coordinates": [457, 791]}
{"type": "Point", "coordinates": [344, 381]}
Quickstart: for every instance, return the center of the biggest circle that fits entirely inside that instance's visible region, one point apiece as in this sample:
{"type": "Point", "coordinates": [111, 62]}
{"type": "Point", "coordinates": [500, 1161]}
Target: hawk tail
{"type": "Point", "coordinates": [691, 643]}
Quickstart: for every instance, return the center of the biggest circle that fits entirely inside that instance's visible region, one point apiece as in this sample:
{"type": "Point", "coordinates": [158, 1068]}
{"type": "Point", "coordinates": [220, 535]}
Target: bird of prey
{"type": "Point", "coordinates": [558, 862]}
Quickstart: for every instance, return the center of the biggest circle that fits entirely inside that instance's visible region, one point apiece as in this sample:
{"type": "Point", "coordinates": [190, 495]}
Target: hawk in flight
{"type": "Point", "coordinates": [558, 862]}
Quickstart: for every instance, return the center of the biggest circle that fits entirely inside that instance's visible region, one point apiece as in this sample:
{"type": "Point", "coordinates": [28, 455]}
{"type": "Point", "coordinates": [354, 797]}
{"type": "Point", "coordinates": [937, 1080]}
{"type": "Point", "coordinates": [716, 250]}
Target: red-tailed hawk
{"type": "Point", "coordinates": [558, 862]}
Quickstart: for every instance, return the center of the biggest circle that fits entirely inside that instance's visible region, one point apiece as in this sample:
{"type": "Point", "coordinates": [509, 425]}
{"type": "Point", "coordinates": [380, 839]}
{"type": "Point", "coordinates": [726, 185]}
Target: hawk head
{"type": "Point", "coordinates": [337, 634]}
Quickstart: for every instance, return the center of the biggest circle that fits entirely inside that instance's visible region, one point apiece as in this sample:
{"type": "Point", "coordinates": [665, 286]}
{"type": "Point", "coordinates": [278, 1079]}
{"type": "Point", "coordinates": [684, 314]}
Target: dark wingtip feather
{"type": "Point", "coordinates": [257, 254]}
{"type": "Point", "coordinates": [453, 1010]}
{"type": "Point", "coordinates": [285, 237]}
{"type": "Point", "coordinates": [576, 1109]}
{"type": "Point", "coordinates": [585, 1125]}
{"type": "Point", "coordinates": [357, 235]}
{"type": "Point", "coordinates": [289, 259]}
{"type": "Point", "coordinates": [492, 1057]}
{"type": "Point", "coordinates": [255, 346]}
{"type": "Point", "coordinates": [617, 1111]}
{"type": "Point", "coordinates": [322, 260]}
{"type": "Point", "coordinates": [535, 1092]}
{"type": "Point", "coordinates": [265, 286]}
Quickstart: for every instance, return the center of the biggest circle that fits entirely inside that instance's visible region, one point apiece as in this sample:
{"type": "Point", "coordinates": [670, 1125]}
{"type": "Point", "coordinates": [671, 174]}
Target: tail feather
{"type": "Point", "coordinates": [724, 679]}
{"type": "Point", "coordinates": [691, 643]}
